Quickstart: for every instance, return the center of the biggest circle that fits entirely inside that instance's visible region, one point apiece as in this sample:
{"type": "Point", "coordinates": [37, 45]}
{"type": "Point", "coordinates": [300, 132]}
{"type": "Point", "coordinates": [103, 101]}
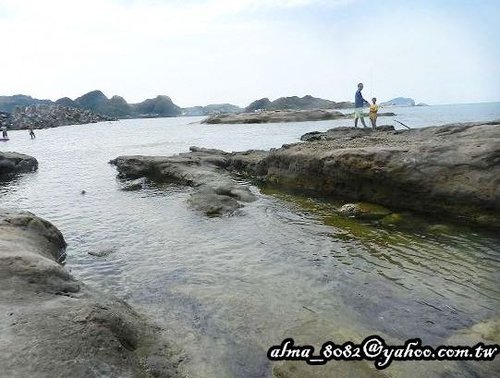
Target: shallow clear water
{"type": "Point", "coordinates": [228, 288]}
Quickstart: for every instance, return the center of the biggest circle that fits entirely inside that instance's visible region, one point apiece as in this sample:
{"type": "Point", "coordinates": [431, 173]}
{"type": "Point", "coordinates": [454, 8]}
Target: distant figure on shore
{"type": "Point", "coordinates": [359, 102]}
{"type": "Point", "coordinates": [32, 133]}
{"type": "Point", "coordinates": [4, 132]}
{"type": "Point", "coordinates": [373, 113]}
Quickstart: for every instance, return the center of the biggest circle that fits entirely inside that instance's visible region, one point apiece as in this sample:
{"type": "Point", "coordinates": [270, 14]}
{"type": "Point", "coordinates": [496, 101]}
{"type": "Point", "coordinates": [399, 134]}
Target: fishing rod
{"type": "Point", "coordinates": [401, 123]}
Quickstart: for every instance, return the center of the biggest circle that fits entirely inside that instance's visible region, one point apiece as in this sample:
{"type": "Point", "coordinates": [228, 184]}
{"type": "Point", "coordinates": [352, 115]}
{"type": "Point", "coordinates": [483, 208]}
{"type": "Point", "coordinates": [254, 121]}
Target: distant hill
{"type": "Point", "coordinates": [160, 106]}
{"type": "Point", "coordinates": [8, 103]}
{"type": "Point", "coordinates": [97, 102]}
{"type": "Point", "coordinates": [400, 101]}
{"type": "Point", "coordinates": [307, 102]}
{"type": "Point", "coordinates": [261, 104]}
{"type": "Point", "coordinates": [116, 106]}
{"type": "Point", "coordinates": [211, 109]}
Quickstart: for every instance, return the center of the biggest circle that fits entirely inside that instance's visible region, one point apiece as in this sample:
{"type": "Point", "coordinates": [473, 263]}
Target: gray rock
{"type": "Point", "coordinates": [364, 211]}
{"type": "Point", "coordinates": [44, 116]}
{"type": "Point", "coordinates": [216, 192]}
{"type": "Point", "coordinates": [13, 162]}
{"type": "Point", "coordinates": [276, 116]}
{"type": "Point", "coordinates": [213, 204]}
{"type": "Point", "coordinates": [451, 170]}
{"type": "Point", "coordinates": [53, 325]}
{"type": "Point", "coordinates": [133, 185]}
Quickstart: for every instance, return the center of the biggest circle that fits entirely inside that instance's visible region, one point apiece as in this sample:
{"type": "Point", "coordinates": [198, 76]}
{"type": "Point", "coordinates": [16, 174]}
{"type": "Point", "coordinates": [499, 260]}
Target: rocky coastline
{"type": "Point", "coordinates": [46, 116]}
{"type": "Point", "coordinates": [451, 171]}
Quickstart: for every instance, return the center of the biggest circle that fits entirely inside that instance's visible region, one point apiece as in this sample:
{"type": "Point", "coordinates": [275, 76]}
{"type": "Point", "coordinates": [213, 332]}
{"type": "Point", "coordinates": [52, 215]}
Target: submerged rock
{"type": "Point", "coordinates": [54, 325]}
{"type": "Point", "coordinates": [213, 204]}
{"type": "Point", "coordinates": [13, 162]}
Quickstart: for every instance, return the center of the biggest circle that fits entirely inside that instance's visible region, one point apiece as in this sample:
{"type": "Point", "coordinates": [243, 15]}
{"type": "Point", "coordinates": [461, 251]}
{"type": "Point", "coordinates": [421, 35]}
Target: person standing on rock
{"type": "Point", "coordinates": [359, 102]}
{"type": "Point", "coordinates": [373, 113]}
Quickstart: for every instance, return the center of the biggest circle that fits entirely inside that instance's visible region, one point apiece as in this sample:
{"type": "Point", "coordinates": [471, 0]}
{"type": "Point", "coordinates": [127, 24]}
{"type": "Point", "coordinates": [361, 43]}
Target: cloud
{"type": "Point", "coordinates": [201, 51]}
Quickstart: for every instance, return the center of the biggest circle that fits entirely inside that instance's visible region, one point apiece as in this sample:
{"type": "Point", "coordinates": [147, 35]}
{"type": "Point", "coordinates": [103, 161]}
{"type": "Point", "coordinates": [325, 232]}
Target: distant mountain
{"type": "Point", "coordinates": [261, 104]}
{"type": "Point", "coordinates": [116, 106]}
{"type": "Point", "coordinates": [399, 101]}
{"type": "Point", "coordinates": [9, 103]}
{"type": "Point", "coordinates": [160, 106]}
{"type": "Point", "coordinates": [66, 101]}
{"type": "Point", "coordinates": [97, 102]}
{"type": "Point", "coordinates": [211, 109]}
{"type": "Point", "coordinates": [295, 103]}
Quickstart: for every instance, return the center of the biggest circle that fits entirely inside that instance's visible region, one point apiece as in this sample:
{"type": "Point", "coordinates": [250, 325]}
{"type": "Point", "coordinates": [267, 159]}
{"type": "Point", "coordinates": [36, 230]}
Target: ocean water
{"type": "Point", "coordinates": [226, 289]}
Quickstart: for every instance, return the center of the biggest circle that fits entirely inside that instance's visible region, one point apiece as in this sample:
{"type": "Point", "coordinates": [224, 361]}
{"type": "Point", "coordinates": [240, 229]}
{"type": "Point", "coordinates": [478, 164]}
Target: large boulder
{"type": "Point", "coordinates": [53, 325]}
{"type": "Point", "coordinates": [13, 162]}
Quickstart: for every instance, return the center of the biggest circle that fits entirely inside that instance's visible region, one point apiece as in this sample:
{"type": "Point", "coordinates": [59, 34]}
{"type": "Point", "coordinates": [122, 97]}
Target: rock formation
{"type": "Point", "coordinates": [275, 116]}
{"type": "Point", "coordinates": [55, 326]}
{"type": "Point", "coordinates": [451, 170]}
{"type": "Point", "coordinates": [45, 116]}
{"type": "Point", "coordinates": [216, 193]}
{"type": "Point", "coordinates": [12, 163]}
{"type": "Point", "coordinates": [307, 102]}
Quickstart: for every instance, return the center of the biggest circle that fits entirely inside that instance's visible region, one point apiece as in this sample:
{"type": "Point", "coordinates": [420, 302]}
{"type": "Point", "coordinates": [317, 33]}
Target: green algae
{"type": "Point", "coordinates": [326, 211]}
{"type": "Point", "coordinates": [376, 224]}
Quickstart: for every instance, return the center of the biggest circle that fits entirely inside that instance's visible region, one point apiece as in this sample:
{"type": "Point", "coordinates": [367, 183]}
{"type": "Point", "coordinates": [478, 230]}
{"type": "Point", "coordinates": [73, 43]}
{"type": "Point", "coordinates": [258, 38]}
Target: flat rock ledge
{"type": "Point", "coordinates": [13, 163]}
{"type": "Point", "coordinates": [451, 171]}
{"type": "Point", "coordinates": [279, 116]}
{"type": "Point", "coordinates": [275, 116]}
{"type": "Point", "coordinates": [215, 193]}
{"type": "Point", "coordinates": [53, 325]}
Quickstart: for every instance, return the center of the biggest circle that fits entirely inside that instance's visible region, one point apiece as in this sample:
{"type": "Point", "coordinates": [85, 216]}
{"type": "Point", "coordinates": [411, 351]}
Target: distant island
{"type": "Point", "coordinates": [22, 111]}
{"type": "Point", "coordinates": [399, 101]}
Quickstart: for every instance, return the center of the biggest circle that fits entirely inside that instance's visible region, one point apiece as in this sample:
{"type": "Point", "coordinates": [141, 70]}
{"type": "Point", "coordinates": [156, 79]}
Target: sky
{"type": "Point", "coordinates": [235, 51]}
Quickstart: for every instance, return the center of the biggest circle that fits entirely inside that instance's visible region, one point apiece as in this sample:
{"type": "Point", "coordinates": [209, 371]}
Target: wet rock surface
{"type": "Point", "coordinates": [451, 170]}
{"type": "Point", "coordinates": [13, 162]}
{"type": "Point", "coordinates": [53, 325]}
{"type": "Point", "coordinates": [215, 191]}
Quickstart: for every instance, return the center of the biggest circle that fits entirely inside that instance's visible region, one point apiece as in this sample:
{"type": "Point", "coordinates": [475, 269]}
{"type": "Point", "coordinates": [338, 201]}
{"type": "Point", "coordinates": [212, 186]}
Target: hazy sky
{"type": "Point", "coordinates": [214, 51]}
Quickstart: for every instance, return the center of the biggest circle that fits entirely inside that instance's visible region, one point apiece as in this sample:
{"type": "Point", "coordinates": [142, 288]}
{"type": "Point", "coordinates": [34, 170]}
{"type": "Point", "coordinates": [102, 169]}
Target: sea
{"type": "Point", "coordinates": [226, 289]}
